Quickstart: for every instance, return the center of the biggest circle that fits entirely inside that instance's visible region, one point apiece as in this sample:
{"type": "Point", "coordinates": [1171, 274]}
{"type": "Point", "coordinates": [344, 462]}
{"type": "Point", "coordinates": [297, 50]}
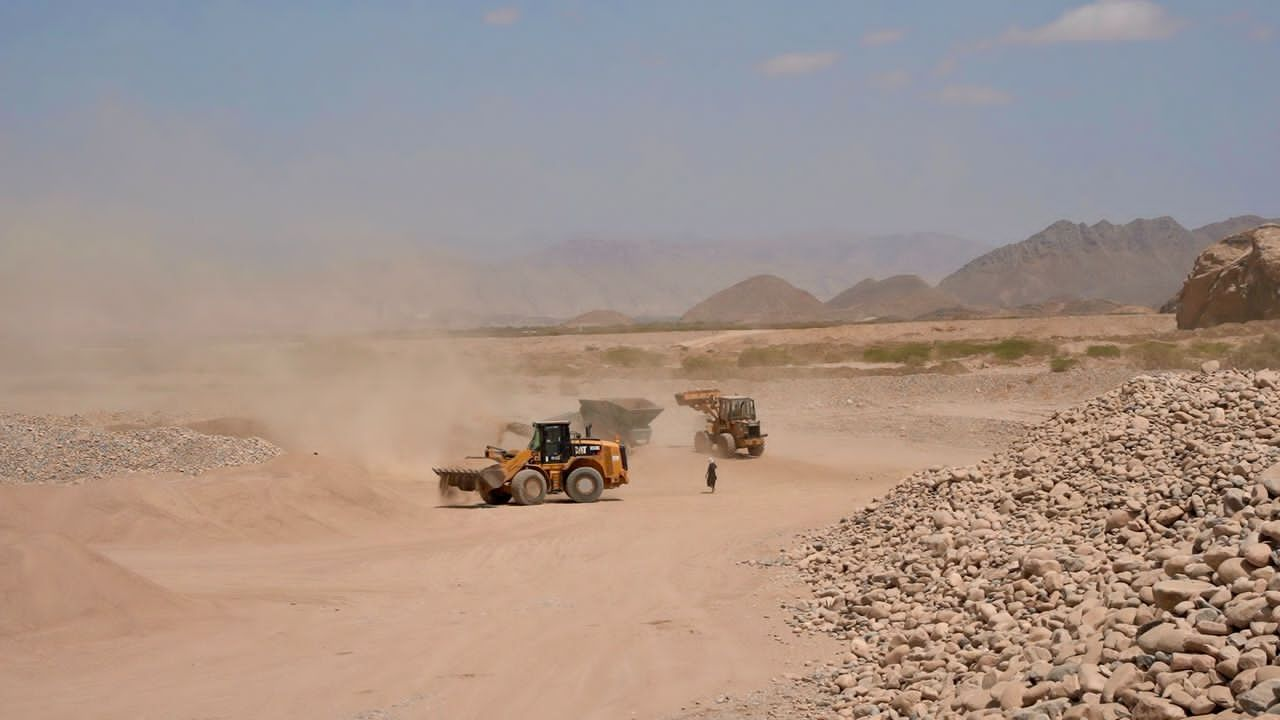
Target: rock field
{"type": "Point", "coordinates": [1119, 560]}
{"type": "Point", "coordinates": [58, 450]}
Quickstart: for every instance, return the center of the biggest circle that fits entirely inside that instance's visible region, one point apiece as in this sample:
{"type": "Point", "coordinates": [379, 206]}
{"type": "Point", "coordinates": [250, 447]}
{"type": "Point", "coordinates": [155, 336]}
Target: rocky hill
{"type": "Point", "coordinates": [900, 296]}
{"type": "Point", "coordinates": [759, 299]}
{"type": "Point", "coordinates": [1142, 262]}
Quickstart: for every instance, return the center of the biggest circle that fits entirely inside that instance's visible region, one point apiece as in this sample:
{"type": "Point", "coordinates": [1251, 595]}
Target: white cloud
{"type": "Point", "coordinates": [798, 63]}
{"type": "Point", "coordinates": [1101, 21]}
{"type": "Point", "coordinates": [502, 16]}
{"type": "Point", "coordinates": [974, 95]}
{"type": "Point", "coordinates": [892, 80]}
{"type": "Point", "coordinates": [887, 36]}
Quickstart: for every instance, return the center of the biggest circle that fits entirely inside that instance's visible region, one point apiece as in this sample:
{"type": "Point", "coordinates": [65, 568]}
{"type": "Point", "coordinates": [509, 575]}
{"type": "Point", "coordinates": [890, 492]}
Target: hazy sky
{"type": "Point", "coordinates": [274, 125]}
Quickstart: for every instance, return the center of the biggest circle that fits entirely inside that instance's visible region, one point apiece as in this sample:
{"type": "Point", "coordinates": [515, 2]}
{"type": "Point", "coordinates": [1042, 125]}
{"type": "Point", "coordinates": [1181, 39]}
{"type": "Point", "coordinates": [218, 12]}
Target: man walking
{"type": "Point", "coordinates": [711, 474]}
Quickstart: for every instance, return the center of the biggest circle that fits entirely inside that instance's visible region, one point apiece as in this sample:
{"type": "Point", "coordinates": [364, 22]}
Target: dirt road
{"type": "Point", "coordinates": [633, 607]}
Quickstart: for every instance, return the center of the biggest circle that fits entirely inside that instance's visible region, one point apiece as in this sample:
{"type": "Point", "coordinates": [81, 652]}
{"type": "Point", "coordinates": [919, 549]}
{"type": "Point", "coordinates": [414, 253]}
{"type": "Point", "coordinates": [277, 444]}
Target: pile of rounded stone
{"type": "Point", "coordinates": [50, 449]}
{"type": "Point", "coordinates": [1119, 560]}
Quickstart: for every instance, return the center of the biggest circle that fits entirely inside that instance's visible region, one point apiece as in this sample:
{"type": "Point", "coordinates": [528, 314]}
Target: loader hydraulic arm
{"type": "Point", "coordinates": [704, 401]}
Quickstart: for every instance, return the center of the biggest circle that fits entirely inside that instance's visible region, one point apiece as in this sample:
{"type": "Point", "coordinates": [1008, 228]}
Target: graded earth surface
{"type": "Point", "coordinates": [295, 559]}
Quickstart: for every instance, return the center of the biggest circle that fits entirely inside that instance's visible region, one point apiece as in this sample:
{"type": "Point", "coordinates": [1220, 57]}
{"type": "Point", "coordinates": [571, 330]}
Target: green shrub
{"type": "Point", "coordinates": [1156, 355]}
{"type": "Point", "coordinates": [823, 352]}
{"type": "Point", "coordinates": [842, 354]}
{"type": "Point", "coordinates": [1103, 351]}
{"type": "Point", "coordinates": [627, 356]}
{"type": "Point", "coordinates": [1061, 363]}
{"type": "Point", "coordinates": [1017, 348]}
{"type": "Point", "coordinates": [771, 356]}
{"type": "Point", "coordinates": [1207, 349]}
{"type": "Point", "coordinates": [701, 364]}
{"type": "Point", "coordinates": [1263, 352]}
{"type": "Point", "coordinates": [906, 353]}
{"type": "Point", "coordinates": [950, 349]}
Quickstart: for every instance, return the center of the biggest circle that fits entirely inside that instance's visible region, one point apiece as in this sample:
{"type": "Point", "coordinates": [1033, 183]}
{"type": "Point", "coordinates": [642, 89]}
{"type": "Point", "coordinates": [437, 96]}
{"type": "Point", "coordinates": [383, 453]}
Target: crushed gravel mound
{"type": "Point", "coordinates": [1119, 560]}
{"type": "Point", "coordinates": [58, 450]}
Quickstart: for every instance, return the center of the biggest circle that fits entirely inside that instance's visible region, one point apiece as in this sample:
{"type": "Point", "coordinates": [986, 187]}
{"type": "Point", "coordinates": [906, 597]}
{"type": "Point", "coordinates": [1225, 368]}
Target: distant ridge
{"type": "Point", "coordinates": [758, 299]}
{"type": "Point", "coordinates": [1141, 262]}
{"type": "Point", "coordinates": [900, 296]}
{"type": "Point", "coordinates": [598, 318]}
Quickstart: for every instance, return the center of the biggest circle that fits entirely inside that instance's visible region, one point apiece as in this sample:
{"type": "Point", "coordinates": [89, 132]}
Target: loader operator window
{"type": "Point", "coordinates": [555, 443]}
{"type": "Point", "coordinates": [740, 409]}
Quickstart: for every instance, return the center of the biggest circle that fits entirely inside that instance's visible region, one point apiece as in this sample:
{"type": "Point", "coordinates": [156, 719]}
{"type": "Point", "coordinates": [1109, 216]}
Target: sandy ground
{"type": "Point", "coordinates": [631, 607]}
{"type": "Point", "coordinates": [324, 585]}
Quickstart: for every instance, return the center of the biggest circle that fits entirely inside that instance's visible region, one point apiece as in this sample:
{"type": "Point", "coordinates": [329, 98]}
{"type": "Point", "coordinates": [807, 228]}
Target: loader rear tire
{"type": "Point", "coordinates": [528, 487]}
{"type": "Point", "coordinates": [497, 496]}
{"type": "Point", "coordinates": [701, 442]}
{"type": "Point", "coordinates": [728, 446]}
{"type": "Point", "coordinates": [755, 450]}
{"type": "Point", "coordinates": [584, 485]}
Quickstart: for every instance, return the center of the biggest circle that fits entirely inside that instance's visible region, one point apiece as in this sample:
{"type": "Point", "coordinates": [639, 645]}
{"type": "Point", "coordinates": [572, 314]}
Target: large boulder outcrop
{"type": "Point", "coordinates": [1234, 280]}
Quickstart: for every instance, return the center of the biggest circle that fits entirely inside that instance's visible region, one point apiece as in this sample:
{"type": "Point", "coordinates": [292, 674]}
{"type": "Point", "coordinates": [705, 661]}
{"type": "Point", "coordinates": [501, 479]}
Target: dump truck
{"type": "Point", "coordinates": [623, 419]}
{"type": "Point", "coordinates": [731, 422]}
{"type": "Point", "coordinates": [556, 460]}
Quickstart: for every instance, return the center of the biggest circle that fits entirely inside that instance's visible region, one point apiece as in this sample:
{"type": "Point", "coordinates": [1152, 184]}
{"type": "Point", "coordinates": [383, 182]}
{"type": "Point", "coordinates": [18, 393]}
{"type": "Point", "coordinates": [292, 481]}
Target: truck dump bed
{"type": "Point", "coordinates": [626, 417]}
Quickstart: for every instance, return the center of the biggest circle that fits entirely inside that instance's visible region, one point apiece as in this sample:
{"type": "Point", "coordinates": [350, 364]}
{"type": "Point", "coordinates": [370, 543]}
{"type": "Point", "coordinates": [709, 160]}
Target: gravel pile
{"type": "Point", "coordinates": [1119, 560]}
{"type": "Point", "coordinates": [54, 449]}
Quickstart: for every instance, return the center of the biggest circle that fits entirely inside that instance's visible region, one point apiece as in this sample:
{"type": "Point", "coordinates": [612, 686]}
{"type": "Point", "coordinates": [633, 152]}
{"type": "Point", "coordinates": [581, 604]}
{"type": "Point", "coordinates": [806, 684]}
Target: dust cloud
{"type": "Point", "coordinates": [101, 315]}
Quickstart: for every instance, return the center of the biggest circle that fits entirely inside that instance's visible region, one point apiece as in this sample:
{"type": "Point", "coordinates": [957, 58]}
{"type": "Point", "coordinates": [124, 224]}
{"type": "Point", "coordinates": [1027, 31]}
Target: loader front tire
{"type": "Point", "coordinates": [528, 487]}
{"type": "Point", "coordinates": [584, 485]}
{"type": "Point", "coordinates": [701, 442]}
{"type": "Point", "coordinates": [728, 446]}
{"type": "Point", "coordinates": [497, 496]}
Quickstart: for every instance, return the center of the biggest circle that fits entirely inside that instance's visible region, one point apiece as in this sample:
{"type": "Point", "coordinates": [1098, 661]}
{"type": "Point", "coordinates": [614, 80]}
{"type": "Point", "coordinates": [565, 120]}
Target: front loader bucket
{"type": "Point", "coordinates": [468, 479]}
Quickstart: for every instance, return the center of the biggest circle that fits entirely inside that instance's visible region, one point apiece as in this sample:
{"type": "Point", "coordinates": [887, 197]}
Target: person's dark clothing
{"type": "Point", "coordinates": [711, 476]}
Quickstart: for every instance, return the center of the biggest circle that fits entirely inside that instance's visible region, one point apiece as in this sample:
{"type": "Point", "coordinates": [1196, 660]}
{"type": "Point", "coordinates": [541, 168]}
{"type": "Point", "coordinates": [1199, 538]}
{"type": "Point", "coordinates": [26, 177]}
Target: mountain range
{"type": "Point", "coordinates": [655, 278]}
{"type": "Point", "coordinates": [1142, 262]}
{"type": "Point", "coordinates": [1067, 268]}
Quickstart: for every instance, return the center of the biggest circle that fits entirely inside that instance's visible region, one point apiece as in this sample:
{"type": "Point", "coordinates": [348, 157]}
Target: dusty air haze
{"type": "Point", "coordinates": [262, 268]}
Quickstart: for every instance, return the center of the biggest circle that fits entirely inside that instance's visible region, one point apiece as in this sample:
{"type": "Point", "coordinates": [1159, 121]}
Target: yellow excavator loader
{"type": "Point", "coordinates": [731, 422]}
{"type": "Point", "coordinates": [555, 461]}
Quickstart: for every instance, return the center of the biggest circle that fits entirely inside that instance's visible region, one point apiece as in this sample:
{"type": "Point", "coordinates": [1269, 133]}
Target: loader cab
{"type": "Point", "coordinates": [552, 442]}
{"type": "Point", "coordinates": [737, 408]}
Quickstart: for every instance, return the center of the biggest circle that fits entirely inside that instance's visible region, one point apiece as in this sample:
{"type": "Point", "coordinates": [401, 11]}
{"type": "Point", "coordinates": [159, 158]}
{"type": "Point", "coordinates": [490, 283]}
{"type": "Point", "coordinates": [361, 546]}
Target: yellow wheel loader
{"type": "Point", "coordinates": [731, 423]}
{"type": "Point", "coordinates": [555, 461]}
